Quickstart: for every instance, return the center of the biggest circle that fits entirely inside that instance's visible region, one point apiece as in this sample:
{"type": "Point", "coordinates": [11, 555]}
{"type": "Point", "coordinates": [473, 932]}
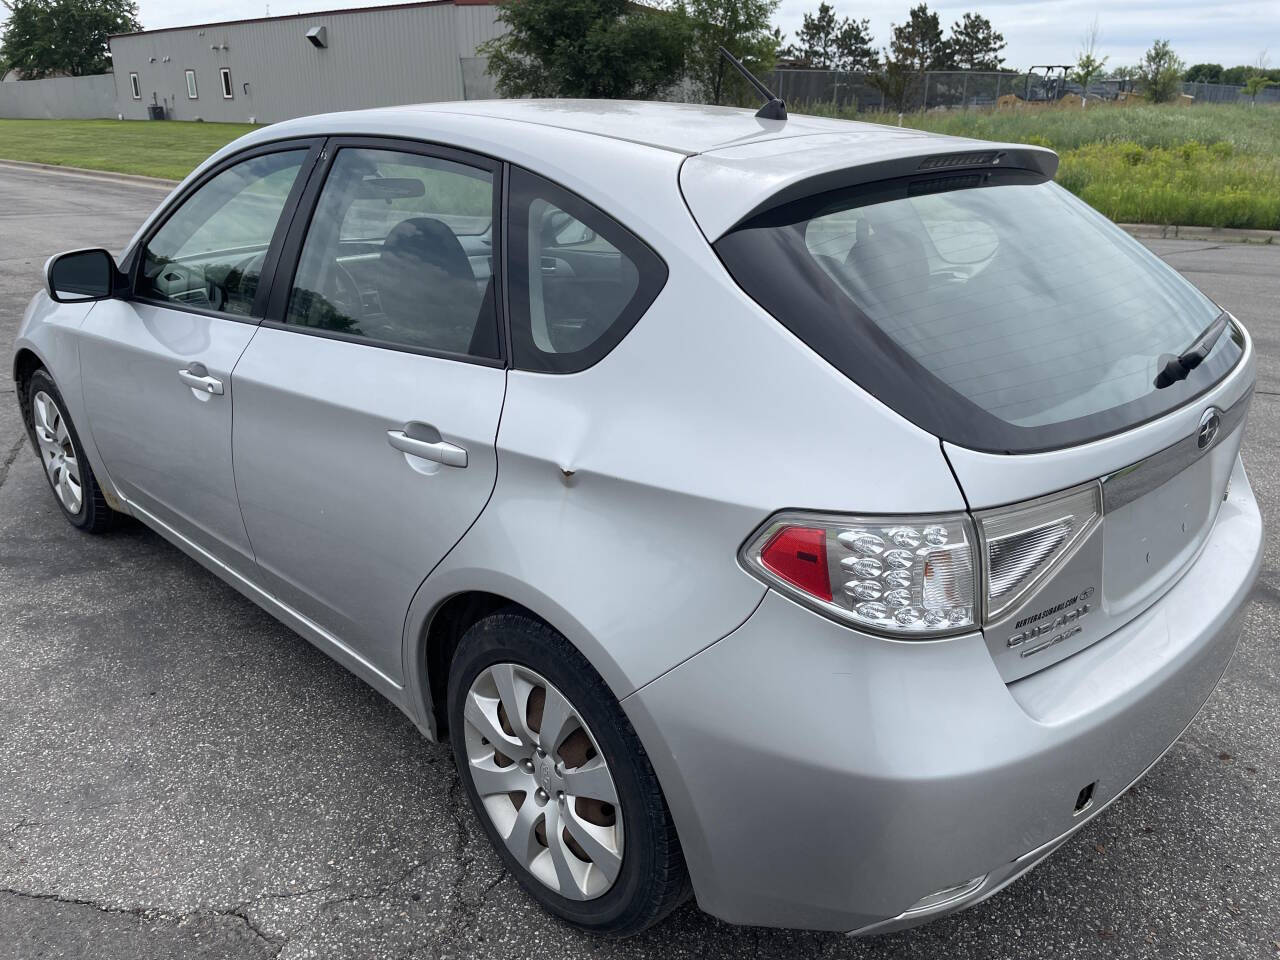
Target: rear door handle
{"type": "Point", "coordinates": [196, 376]}
{"type": "Point", "coordinates": [440, 451]}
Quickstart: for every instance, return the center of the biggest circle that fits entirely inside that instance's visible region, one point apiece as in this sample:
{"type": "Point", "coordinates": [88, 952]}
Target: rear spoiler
{"type": "Point", "coordinates": [721, 185]}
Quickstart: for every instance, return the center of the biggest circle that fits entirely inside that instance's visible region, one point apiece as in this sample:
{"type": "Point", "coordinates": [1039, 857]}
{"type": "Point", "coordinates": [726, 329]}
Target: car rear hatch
{"type": "Point", "coordinates": [1128, 516]}
{"type": "Point", "coordinates": [1032, 336]}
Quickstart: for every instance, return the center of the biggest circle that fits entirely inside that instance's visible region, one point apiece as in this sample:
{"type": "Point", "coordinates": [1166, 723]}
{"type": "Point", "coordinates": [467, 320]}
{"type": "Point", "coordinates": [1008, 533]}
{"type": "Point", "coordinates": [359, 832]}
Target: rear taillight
{"type": "Point", "coordinates": [798, 555]}
{"type": "Point", "coordinates": [905, 577]}
{"type": "Point", "coordinates": [919, 578]}
{"type": "Point", "coordinates": [1022, 544]}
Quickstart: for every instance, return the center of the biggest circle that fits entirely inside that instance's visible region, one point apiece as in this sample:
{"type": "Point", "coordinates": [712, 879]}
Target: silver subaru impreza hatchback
{"type": "Point", "coordinates": [822, 519]}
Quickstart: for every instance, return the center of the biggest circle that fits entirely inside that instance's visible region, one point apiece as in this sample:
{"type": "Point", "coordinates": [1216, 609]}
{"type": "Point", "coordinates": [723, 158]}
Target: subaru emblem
{"type": "Point", "coordinates": [1207, 432]}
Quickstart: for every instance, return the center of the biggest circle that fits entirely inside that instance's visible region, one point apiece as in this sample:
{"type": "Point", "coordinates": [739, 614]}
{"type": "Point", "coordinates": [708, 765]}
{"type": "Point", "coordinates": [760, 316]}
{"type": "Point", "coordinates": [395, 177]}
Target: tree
{"type": "Point", "coordinates": [914, 47]}
{"type": "Point", "coordinates": [855, 50]}
{"type": "Point", "coordinates": [1161, 72]}
{"type": "Point", "coordinates": [895, 81]}
{"type": "Point", "coordinates": [975, 45]}
{"type": "Point", "coordinates": [1254, 86]}
{"type": "Point", "coordinates": [1204, 73]}
{"type": "Point", "coordinates": [778, 38]}
{"type": "Point", "coordinates": [49, 38]}
{"type": "Point", "coordinates": [1088, 65]}
{"type": "Point", "coordinates": [815, 46]}
{"type": "Point", "coordinates": [918, 45]}
{"type": "Point", "coordinates": [742, 28]}
{"type": "Point", "coordinates": [825, 43]}
{"type": "Point", "coordinates": [586, 48]}
{"type": "Point", "coordinates": [1257, 81]}
{"type": "Point", "coordinates": [1236, 76]}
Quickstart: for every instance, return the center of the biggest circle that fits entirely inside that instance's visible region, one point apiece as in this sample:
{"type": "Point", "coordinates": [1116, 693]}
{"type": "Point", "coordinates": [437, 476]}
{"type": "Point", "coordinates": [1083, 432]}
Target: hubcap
{"type": "Point", "coordinates": [543, 781]}
{"type": "Point", "coordinates": [57, 452]}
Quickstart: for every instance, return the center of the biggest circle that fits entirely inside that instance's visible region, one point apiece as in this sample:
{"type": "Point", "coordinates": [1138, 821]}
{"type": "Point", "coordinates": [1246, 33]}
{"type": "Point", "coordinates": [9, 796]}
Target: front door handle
{"type": "Point", "coordinates": [440, 451]}
{"type": "Point", "coordinates": [196, 376]}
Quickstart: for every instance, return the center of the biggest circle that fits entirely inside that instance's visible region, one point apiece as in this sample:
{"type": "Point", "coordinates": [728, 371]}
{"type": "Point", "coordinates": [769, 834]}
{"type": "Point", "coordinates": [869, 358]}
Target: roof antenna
{"type": "Point", "coordinates": [773, 109]}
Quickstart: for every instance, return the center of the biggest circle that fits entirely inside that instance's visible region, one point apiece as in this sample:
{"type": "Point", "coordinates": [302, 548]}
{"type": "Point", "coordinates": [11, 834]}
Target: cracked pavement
{"type": "Point", "coordinates": [184, 777]}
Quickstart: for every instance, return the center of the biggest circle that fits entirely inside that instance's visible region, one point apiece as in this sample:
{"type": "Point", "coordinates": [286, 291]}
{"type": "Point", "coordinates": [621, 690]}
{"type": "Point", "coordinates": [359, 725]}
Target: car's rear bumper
{"type": "Point", "coordinates": [824, 779]}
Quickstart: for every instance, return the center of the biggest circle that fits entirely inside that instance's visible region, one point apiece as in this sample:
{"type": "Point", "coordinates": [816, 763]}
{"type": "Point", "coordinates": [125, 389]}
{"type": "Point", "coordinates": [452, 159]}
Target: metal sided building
{"type": "Point", "coordinates": [271, 69]}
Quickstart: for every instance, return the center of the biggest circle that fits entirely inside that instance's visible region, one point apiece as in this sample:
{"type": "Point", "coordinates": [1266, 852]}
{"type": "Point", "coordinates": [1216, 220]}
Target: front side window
{"type": "Point", "coordinates": [191, 85]}
{"type": "Point", "coordinates": [135, 90]}
{"type": "Point", "coordinates": [210, 252]}
{"type": "Point", "coordinates": [579, 281]}
{"type": "Point", "coordinates": [1005, 316]}
{"type": "Point", "coordinates": [399, 253]}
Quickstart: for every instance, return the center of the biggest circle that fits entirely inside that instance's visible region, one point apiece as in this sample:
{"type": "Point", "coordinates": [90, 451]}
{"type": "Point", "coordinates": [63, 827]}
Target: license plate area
{"type": "Point", "coordinates": [1149, 540]}
{"type": "Point", "coordinates": [1156, 516]}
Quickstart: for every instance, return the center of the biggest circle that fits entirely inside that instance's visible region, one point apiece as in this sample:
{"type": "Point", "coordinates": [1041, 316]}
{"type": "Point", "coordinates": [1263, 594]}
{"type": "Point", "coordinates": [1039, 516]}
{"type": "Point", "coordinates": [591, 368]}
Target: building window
{"type": "Point", "coordinates": [134, 87]}
{"type": "Point", "coordinates": [227, 92]}
{"type": "Point", "coordinates": [191, 85]}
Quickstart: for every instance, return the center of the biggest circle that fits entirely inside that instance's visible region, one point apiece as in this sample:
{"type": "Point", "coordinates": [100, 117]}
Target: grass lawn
{"type": "Point", "coordinates": [170, 149]}
{"type": "Point", "coordinates": [1207, 165]}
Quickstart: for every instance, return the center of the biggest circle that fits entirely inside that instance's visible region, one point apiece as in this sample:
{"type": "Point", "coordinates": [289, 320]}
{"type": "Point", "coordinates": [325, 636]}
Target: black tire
{"type": "Point", "coordinates": [94, 515]}
{"type": "Point", "coordinates": [652, 880]}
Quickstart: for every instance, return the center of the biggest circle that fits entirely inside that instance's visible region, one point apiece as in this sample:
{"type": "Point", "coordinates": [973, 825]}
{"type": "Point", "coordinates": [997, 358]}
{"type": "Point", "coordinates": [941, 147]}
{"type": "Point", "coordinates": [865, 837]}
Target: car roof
{"type": "Point", "coordinates": [688, 128]}
{"type": "Point", "coordinates": [685, 128]}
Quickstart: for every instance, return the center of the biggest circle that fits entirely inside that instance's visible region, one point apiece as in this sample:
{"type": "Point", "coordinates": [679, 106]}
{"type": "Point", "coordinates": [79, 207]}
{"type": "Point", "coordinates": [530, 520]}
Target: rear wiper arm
{"type": "Point", "coordinates": [1173, 369]}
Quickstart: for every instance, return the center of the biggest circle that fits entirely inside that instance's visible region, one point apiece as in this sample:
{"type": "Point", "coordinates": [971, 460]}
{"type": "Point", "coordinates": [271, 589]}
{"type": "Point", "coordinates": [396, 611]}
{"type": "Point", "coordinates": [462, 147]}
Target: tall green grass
{"type": "Point", "coordinates": [1206, 165]}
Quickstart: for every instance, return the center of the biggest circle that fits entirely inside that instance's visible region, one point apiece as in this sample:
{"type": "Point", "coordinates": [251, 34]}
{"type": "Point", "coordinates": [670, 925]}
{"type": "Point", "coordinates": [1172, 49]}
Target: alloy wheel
{"type": "Point", "coordinates": [543, 781]}
{"type": "Point", "coordinates": [57, 452]}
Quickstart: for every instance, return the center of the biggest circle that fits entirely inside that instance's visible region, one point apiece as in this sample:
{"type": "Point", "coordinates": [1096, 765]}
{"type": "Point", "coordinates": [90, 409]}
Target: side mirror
{"type": "Point", "coordinates": [80, 276]}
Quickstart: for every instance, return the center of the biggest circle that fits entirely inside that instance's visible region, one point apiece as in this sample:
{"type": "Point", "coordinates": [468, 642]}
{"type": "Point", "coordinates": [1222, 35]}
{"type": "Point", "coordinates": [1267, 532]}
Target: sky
{"type": "Point", "coordinates": [1037, 31]}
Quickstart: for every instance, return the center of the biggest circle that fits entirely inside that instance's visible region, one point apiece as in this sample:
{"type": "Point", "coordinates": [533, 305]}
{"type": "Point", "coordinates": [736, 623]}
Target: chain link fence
{"type": "Point", "coordinates": [966, 90]}
{"type": "Point", "coordinates": [950, 89]}
{"type": "Point", "coordinates": [1228, 93]}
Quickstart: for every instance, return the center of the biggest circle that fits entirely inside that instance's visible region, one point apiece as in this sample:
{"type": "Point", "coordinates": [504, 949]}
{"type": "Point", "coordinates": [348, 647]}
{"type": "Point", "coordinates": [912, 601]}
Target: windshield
{"type": "Point", "coordinates": [999, 315]}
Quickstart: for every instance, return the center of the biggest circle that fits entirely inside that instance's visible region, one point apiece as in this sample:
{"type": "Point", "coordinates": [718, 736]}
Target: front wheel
{"type": "Point", "coordinates": [74, 486]}
{"type": "Point", "coordinates": [560, 780]}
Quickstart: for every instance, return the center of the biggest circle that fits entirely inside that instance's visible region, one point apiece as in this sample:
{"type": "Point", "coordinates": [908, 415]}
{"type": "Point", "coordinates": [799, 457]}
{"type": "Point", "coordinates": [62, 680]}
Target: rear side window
{"type": "Point", "coordinates": [579, 281]}
{"type": "Point", "coordinates": [1001, 316]}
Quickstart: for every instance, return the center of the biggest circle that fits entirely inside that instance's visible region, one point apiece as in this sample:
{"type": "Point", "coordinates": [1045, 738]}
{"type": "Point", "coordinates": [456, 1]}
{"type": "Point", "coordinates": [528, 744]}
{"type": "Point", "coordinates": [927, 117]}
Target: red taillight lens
{"type": "Point", "coordinates": [904, 577]}
{"type": "Point", "coordinates": [799, 556]}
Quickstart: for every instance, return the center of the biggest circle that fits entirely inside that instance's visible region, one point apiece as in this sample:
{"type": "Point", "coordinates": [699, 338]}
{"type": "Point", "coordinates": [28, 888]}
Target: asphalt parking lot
{"type": "Point", "coordinates": [181, 776]}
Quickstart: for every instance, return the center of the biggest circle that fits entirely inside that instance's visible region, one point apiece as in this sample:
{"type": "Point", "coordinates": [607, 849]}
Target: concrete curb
{"type": "Point", "coordinates": [133, 178]}
{"type": "Point", "coordinates": [1155, 231]}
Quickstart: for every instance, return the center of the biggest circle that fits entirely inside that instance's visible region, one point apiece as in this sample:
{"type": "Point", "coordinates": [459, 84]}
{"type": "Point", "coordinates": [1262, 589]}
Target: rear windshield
{"type": "Point", "coordinates": [1001, 314]}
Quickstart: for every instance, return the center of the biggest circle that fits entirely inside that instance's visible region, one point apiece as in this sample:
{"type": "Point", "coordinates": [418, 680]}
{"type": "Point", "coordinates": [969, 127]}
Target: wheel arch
{"type": "Point", "coordinates": [451, 601]}
{"type": "Point", "coordinates": [26, 362]}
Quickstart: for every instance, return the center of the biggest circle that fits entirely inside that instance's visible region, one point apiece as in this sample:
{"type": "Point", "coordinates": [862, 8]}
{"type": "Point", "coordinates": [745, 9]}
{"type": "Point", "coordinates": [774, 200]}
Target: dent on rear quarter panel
{"type": "Point", "coordinates": [705, 420]}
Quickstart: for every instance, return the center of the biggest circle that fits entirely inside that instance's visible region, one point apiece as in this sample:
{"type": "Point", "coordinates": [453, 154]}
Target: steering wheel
{"type": "Point", "coordinates": [238, 286]}
{"type": "Point", "coordinates": [342, 292]}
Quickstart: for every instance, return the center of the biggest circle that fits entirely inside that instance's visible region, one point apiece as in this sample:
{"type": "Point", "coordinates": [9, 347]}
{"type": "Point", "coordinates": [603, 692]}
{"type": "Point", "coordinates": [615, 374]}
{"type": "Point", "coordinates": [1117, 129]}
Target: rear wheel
{"type": "Point", "coordinates": [559, 779]}
{"type": "Point", "coordinates": [67, 469]}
